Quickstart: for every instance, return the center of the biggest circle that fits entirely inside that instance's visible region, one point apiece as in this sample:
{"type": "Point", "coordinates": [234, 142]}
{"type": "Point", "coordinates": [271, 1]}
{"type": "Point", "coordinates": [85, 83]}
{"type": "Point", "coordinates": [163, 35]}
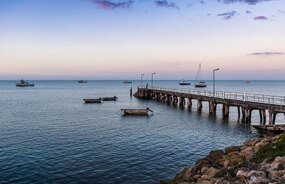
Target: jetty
{"type": "Point", "coordinates": [267, 105]}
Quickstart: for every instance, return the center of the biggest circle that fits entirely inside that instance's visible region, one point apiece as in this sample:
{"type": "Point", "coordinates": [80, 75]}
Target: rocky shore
{"type": "Point", "coordinates": [260, 161]}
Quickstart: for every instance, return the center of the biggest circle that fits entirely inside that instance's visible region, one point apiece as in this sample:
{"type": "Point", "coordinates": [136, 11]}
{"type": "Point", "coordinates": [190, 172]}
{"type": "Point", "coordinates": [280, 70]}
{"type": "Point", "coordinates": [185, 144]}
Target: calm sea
{"type": "Point", "coordinates": [48, 135]}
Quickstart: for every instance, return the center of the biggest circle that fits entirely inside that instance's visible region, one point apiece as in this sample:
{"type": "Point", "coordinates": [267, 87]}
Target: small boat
{"type": "Point", "coordinates": [199, 83]}
{"type": "Point", "coordinates": [246, 81]}
{"type": "Point", "coordinates": [94, 100]}
{"type": "Point", "coordinates": [137, 112]}
{"type": "Point", "coordinates": [82, 81]}
{"type": "Point", "coordinates": [23, 83]}
{"type": "Point", "coordinates": [110, 98]}
{"type": "Point", "coordinates": [127, 82]}
{"type": "Point", "coordinates": [183, 83]}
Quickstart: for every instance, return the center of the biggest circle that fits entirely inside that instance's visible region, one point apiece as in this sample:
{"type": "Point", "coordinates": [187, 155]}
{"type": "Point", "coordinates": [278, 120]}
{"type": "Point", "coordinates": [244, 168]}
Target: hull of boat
{"type": "Point", "coordinates": [24, 85]}
{"type": "Point", "coordinates": [200, 85]}
{"type": "Point", "coordinates": [127, 82]}
{"type": "Point", "coordinates": [109, 98]}
{"type": "Point", "coordinates": [184, 84]}
{"type": "Point", "coordinates": [137, 112]}
{"type": "Point", "coordinates": [92, 100]}
{"type": "Point", "coordinates": [82, 81]}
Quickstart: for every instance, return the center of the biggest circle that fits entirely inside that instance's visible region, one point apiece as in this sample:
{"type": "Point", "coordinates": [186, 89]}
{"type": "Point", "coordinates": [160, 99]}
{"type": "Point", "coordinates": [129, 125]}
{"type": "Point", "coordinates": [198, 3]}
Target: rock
{"type": "Point", "coordinates": [242, 174]}
{"type": "Point", "coordinates": [248, 153]}
{"type": "Point", "coordinates": [256, 177]}
{"type": "Point", "coordinates": [250, 143]}
{"type": "Point", "coordinates": [226, 163]}
{"type": "Point", "coordinates": [216, 155]}
{"type": "Point", "coordinates": [204, 170]}
{"type": "Point", "coordinates": [203, 161]}
{"type": "Point", "coordinates": [212, 172]}
{"type": "Point", "coordinates": [278, 163]}
{"type": "Point", "coordinates": [232, 149]}
{"type": "Point", "coordinates": [206, 177]}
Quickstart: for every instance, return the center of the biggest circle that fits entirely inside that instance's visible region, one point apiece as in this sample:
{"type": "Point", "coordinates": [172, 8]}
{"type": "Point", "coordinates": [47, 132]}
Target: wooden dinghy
{"type": "Point", "coordinates": [137, 112]}
{"type": "Point", "coordinates": [96, 100]}
{"type": "Point", "coordinates": [114, 98]}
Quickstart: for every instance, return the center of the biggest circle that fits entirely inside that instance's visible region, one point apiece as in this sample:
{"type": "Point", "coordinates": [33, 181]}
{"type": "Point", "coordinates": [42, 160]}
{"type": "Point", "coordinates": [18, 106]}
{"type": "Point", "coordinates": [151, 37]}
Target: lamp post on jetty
{"type": "Point", "coordinates": [217, 69]}
{"type": "Point", "coordinates": [152, 79]}
{"type": "Point", "coordinates": [142, 78]}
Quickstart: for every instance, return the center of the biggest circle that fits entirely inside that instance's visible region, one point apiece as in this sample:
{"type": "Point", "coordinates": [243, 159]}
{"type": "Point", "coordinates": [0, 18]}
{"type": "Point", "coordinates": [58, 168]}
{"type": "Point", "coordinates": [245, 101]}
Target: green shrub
{"type": "Point", "coordinates": [270, 151]}
{"type": "Point", "coordinates": [220, 174]}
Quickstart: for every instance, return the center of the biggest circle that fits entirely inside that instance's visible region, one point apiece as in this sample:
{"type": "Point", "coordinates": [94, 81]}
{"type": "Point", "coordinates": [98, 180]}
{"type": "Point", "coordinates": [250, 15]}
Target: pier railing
{"type": "Point", "coordinates": [259, 98]}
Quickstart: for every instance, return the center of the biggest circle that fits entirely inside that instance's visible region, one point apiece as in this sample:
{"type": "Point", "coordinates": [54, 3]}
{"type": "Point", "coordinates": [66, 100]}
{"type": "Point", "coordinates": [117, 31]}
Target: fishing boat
{"type": "Point", "coordinates": [199, 83]}
{"type": "Point", "coordinates": [23, 83]}
{"type": "Point", "coordinates": [137, 112]}
{"type": "Point", "coordinates": [183, 83]}
{"type": "Point", "coordinates": [82, 81]}
{"type": "Point", "coordinates": [246, 81]}
{"type": "Point", "coordinates": [114, 98]}
{"type": "Point", "coordinates": [95, 100]}
{"type": "Point", "coordinates": [127, 82]}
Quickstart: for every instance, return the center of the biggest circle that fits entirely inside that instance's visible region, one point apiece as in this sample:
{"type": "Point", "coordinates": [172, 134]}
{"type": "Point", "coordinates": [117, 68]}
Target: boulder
{"type": "Point", "coordinates": [212, 172]}
{"type": "Point", "coordinates": [250, 143]}
{"type": "Point", "coordinates": [256, 177]}
{"type": "Point", "coordinates": [216, 155]}
{"type": "Point", "coordinates": [232, 149]}
{"type": "Point", "coordinates": [241, 174]}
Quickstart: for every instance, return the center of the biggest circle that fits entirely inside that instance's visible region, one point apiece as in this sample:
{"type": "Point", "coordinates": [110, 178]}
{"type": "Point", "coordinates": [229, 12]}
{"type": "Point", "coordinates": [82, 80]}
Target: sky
{"type": "Point", "coordinates": [120, 39]}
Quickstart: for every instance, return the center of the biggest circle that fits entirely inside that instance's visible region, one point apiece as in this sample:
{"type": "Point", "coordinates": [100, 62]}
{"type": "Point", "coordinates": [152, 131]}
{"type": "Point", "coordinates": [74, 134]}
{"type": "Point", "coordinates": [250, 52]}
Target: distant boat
{"type": "Point", "coordinates": [114, 98]}
{"type": "Point", "coordinates": [246, 81]}
{"type": "Point", "coordinates": [96, 100]}
{"type": "Point", "coordinates": [82, 81]}
{"type": "Point", "coordinates": [199, 83]}
{"type": "Point", "coordinates": [127, 82]}
{"type": "Point", "coordinates": [183, 83]}
{"type": "Point", "coordinates": [23, 83]}
{"type": "Point", "coordinates": [137, 112]}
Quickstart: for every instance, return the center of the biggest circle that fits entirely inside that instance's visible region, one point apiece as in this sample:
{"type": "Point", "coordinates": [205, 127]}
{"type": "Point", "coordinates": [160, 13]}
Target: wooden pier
{"type": "Point", "coordinates": [267, 105]}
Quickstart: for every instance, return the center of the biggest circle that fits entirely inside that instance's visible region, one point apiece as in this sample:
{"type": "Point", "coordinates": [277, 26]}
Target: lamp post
{"type": "Point", "coordinates": [142, 78]}
{"type": "Point", "coordinates": [217, 69]}
{"type": "Point", "coordinates": [152, 79]}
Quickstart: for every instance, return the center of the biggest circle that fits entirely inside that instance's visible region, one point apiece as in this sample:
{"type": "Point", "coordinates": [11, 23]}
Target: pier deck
{"type": "Point", "coordinates": [267, 105]}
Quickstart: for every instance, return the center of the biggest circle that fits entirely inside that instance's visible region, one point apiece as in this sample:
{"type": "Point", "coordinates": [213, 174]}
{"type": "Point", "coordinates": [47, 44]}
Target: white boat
{"type": "Point", "coordinates": [199, 83]}
{"type": "Point", "coordinates": [183, 82]}
{"type": "Point", "coordinates": [246, 81]}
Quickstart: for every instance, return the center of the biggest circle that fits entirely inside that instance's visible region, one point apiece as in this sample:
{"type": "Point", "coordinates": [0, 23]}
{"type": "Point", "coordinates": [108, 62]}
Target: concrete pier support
{"type": "Point", "coordinates": [246, 115]}
{"type": "Point", "coordinates": [226, 111]}
{"type": "Point", "coordinates": [243, 114]}
{"type": "Point", "coordinates": [264, 116]}
{"type": "Point", "coordinates": [260, 116]}
{"type": "Point", "coordinates": [181, 101]}
{"type": "Point", "coordinates": [199, 105]}
{"type": "Point", "coordinates": [270, 118]}
{"type": "Point", "coordinates": [166, 98]}
{"type": "Point", "coordinates": [238, 109]}
{"type": "Point", "coordinates": [274, 118]}
{"type": "Point", "coordinates": [212, 108]}
{"type": "Point", "coordinates": [189, 103]}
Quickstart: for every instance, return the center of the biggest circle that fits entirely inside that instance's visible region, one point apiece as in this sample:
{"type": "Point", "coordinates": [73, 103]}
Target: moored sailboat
{"type": "Point", "coordinates": [199, 83]}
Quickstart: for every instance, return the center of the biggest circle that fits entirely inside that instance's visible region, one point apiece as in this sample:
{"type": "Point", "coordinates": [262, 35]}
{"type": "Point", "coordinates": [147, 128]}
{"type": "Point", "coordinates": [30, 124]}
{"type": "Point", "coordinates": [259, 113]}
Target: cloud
{"type": "Point", "coordinates": [251, 2]}
{"type": "Point", "coordinates": [109, 5]}
{"type": "Point", "coordinates": [260, 18]}
{"type": "Point", "coordinates": [266, 53]}
{"type": "Point", "coordinates": [165, 3]}
{"type": "Point", "coordinates": [227, 15]}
